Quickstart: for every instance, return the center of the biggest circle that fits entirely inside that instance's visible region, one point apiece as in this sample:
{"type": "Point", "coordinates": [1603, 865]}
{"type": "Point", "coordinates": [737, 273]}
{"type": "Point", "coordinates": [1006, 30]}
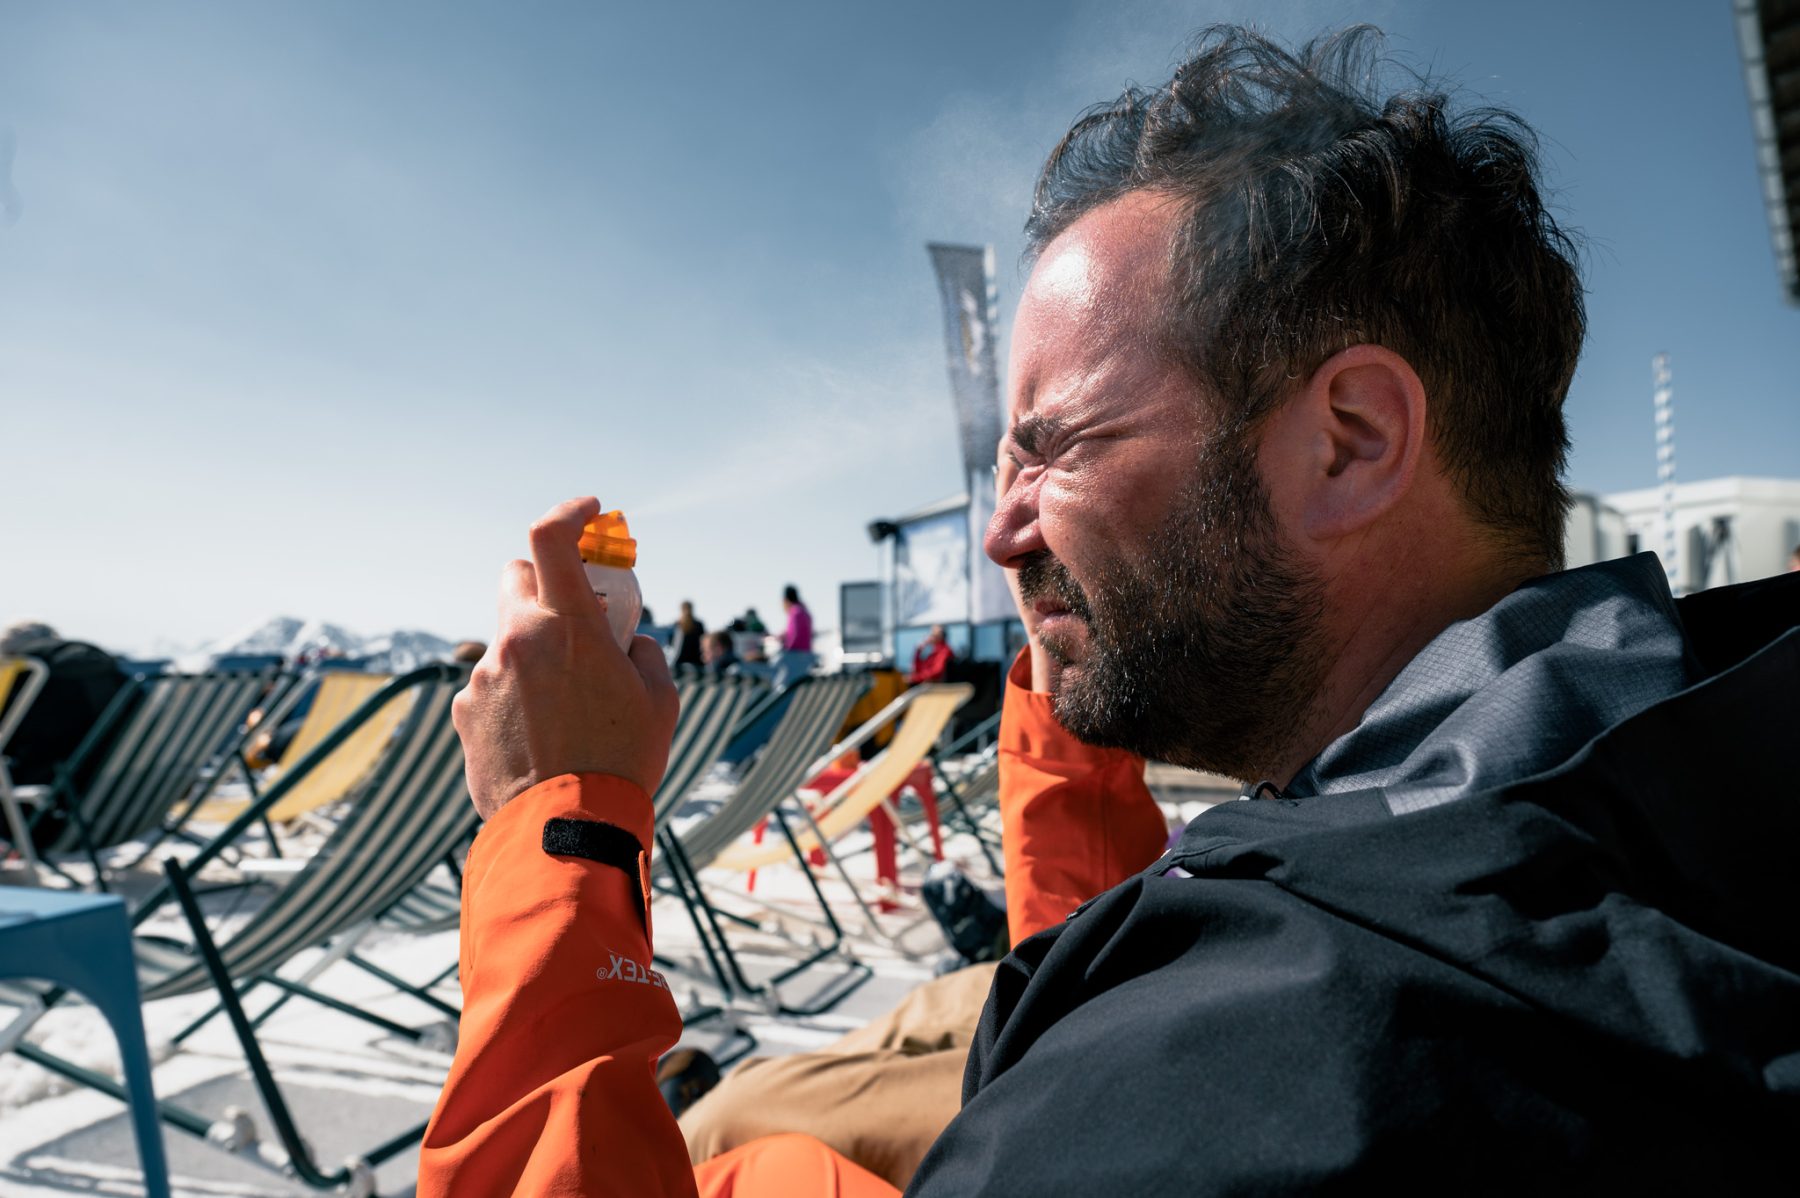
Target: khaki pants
{"type": "Point", "coordinates": [879, 1096]}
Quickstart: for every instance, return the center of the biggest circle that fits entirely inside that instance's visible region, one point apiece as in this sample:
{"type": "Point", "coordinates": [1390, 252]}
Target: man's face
{"type": "Point", "coordinates": [1177, 622]}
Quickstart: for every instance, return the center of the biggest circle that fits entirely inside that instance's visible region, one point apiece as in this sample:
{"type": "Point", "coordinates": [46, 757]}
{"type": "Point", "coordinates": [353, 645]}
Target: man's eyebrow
{"type": "Point", "coordinates": [1029, 432]}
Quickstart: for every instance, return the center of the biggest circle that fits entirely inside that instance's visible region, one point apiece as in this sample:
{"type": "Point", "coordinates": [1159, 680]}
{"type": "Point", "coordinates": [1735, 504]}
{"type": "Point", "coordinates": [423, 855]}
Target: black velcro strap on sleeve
{"type": "Point", "coordinates": [593, 840]}
{"type": "Point", "coordinates": [606, 843]}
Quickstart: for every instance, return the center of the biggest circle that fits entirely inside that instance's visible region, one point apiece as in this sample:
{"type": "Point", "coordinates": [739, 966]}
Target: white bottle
{"type": "Point", "coordinates": [608, 553]}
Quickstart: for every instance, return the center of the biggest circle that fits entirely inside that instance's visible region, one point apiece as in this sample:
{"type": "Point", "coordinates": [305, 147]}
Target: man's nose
{"type": "Point", "coordinates": [1014, 531]}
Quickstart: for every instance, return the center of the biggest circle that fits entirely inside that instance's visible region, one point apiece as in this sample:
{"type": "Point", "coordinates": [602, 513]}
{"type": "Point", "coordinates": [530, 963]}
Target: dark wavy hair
{"type": "Point", "coordinates": [1319, 216]}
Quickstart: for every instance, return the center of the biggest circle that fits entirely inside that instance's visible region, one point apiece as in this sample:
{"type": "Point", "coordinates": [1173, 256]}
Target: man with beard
{"type": "Point", "coordinates": [1282, 491]}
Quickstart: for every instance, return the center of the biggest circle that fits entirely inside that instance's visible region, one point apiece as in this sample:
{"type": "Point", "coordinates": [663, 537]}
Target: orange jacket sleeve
{"type": "Point", "coordinates": [553, 1089]}
{"type": "Point", "coordinates": [1075, 820]}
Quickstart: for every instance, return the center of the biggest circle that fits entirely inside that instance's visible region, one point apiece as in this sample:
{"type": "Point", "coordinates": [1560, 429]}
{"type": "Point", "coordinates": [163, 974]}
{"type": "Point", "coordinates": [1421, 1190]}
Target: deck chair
{"type": "Point", "coordinates": [923, 712]}
{"type": "Point", "coordinates": [711, 708]}
{"type": "Point", "coordinates": [708, 707]}
{"type": "Point", "coordinates": [968, 775]}
{"type": "Point", "coordinates": [409, 813]}
{"type": "Point", "coordinates": [159, 738]}
{"type": "Point", "coordinates": [21, 678]}
{"type": "Point", "coordinates": [796, 748]}
{"type": "Point", "coordinates": [427, 908]}
{"type": "Point", "coordinates": [339, 693]}
{"type": "Point", "coordinates": [972, 792]}
{"type": "Point", "coordinates": [977, 753]}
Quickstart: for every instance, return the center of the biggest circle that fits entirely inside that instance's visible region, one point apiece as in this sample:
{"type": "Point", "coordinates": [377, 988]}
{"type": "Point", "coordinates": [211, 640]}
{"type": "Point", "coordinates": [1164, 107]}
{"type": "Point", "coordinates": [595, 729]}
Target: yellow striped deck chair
{"type": "Point", "coordinates": [340, 693]}
{"type": "Point", "coordinates": [927, 712]}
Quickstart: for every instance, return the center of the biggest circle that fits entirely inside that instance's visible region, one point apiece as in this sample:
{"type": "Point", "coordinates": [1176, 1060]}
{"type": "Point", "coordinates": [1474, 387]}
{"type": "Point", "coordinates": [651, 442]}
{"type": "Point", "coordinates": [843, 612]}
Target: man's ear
{"type": "Point", "coordinates": [1359, 427]}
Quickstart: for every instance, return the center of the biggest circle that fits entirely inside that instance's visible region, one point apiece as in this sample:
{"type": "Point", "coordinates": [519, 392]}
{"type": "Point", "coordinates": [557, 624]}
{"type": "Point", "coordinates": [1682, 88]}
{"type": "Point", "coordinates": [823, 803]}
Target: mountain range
{"type": "Point", "coordinates": [289, 636]}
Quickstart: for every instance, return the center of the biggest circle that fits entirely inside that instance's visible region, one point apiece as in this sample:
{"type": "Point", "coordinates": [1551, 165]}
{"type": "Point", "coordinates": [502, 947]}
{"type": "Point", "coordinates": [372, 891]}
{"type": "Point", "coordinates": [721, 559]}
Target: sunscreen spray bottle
{"type": "Point", "coordinates": [609, 553]}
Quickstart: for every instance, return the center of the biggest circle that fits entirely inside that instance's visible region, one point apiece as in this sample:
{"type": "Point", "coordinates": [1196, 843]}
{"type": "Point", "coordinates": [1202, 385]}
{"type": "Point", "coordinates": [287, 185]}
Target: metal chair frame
{"type": "Point", "coordinates": [412, 813]}
{"type": "Point", "coordinates": [162, 738]}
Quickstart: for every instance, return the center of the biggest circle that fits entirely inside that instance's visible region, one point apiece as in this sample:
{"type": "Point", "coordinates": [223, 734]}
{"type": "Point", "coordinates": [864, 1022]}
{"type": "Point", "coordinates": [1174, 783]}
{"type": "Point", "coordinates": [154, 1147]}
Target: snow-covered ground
{"type": "Point", "coordinates": [353, 1085]}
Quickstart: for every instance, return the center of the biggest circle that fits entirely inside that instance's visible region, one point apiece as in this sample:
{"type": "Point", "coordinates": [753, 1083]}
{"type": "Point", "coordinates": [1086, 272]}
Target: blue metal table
{"type": "Point", "coordinates": [83, 942]}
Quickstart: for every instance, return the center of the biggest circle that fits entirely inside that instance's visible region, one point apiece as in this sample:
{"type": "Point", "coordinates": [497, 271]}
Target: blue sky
{"type": "Point", "coordinates": [311, 308]}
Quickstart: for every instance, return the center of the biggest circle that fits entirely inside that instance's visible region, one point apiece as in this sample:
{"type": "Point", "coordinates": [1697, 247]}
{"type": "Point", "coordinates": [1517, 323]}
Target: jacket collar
{"type": "Point", "coordinates": [1514, 691]}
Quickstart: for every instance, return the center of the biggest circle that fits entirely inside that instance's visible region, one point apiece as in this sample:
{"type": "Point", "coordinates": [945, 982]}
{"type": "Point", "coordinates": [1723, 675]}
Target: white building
{"type": "Point", "coordinates": [1726, 529]}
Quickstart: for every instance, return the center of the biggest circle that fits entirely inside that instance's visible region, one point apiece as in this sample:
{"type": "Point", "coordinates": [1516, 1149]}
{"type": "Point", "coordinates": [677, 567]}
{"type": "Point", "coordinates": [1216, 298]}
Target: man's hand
{"type": "Point", "coordinates": [1004, 472]}
{"type": "Point", "coordinates": [554, 694]}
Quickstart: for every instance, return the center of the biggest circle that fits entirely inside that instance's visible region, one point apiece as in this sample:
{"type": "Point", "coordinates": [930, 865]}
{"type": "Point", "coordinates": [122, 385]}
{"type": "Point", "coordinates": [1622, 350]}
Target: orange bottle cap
{"type": "Point", "coordinates": [606, 541]}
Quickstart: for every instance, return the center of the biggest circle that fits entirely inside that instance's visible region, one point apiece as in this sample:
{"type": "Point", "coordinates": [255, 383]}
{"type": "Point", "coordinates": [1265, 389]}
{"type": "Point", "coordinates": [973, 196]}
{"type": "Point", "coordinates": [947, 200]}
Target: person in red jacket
{"type": "Point", "coordinates": [553, 1087]}
{"type": "Point", "coordinates": [932, 658]}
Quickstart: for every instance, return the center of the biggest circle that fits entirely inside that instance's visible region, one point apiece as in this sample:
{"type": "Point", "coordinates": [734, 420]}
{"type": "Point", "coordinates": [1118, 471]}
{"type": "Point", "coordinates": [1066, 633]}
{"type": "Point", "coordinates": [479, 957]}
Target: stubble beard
{"type": "Point", "coordinates": [1203, 649]}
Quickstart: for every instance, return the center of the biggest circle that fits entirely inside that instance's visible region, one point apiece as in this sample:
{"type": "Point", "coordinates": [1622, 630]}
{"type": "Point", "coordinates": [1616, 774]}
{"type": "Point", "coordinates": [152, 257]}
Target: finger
{"type": "Point", "coordinates": [647, 657]}
{"type": "Point", "coordinates": [555, 549]}
{"type": "Point", "coordinates": [652, 666]}
{"type": "Point", "coordinates": [460, 713]}
{"type": "Point", "coordinates": [518, 586]}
